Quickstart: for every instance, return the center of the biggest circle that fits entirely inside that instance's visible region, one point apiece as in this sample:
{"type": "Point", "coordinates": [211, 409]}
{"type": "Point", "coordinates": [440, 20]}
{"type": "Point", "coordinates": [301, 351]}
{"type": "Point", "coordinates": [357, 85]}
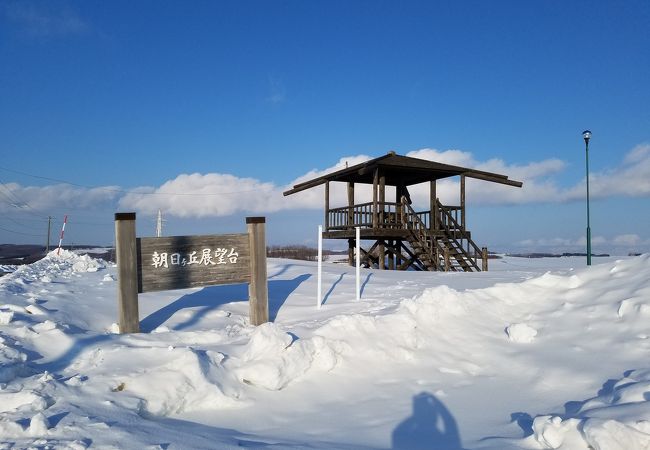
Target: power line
{"type": "Point", "coordinates": [17, 202]}
{"type": "Point", "coordinates": [18, 232]}
{"type": "Point", "coordinates": [124, 191]}
{"type": "Point", "coordinates": [23, 222]}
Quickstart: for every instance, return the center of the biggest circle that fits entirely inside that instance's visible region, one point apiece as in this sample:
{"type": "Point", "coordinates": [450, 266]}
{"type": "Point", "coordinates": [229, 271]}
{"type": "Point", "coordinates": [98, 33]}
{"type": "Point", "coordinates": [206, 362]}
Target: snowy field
{"type": "Point", "coordinates": [534, 354]}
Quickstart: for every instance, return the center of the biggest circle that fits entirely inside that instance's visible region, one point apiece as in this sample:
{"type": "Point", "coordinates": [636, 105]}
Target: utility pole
{"type": "Point", "coordinates": [159, 224]}
{"type": "Point", "coordinates": [49, 226]}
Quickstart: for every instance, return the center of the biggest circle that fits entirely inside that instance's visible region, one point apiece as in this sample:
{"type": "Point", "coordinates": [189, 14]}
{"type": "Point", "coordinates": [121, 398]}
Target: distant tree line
{"type": "Point", "coordinates": [301, 252]}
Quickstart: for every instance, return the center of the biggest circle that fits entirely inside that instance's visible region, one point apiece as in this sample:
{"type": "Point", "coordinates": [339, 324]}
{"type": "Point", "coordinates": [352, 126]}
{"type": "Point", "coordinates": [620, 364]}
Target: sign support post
{"type": "Point", "coordinates": [258, 293]}
{"type": "Point", "coordinates": [180, 262]}
{"type": "Point", "coordinates": [126, 258]}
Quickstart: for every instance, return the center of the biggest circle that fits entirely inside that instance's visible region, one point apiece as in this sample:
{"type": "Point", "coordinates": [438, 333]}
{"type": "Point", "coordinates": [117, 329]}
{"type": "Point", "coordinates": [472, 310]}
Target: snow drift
{"type": "Point", "coordinates": [505, 360]}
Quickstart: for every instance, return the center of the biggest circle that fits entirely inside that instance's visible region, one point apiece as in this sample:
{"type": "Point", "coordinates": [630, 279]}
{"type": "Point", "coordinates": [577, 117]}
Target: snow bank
{"type": "Point", "coordinates": [272, 359]}
{"type": "Point", "coordinates": [45, 270]}
{"type": "Point", "coordinates": [12, 361]}
{"type": "Point", "coordinates": [405, 336]}
{"type": "Point", "coordinates": [618, 419]}
{"type": "Point", "coordinates": [83, 263]}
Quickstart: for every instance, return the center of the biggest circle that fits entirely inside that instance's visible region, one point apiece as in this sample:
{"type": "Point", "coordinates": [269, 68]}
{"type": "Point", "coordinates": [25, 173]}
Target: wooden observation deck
{"type": "Point", "coordinates": [436, 239]}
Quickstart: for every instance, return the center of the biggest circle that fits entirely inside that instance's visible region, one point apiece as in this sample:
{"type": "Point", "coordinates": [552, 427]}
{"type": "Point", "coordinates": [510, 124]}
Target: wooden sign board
{"type": "Point", "coordinates": [179, 262]}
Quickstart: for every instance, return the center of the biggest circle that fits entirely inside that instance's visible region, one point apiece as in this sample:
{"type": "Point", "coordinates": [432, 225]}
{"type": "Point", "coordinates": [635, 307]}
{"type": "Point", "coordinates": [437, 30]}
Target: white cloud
{"type": "Point", "coordinates": [216, 194]}
{"type": "Point", "coordinates": [205, 195]}
{"type": "Point", "coordinates": [618, 244]}
{"type": "Point", "coordinates": [627, 240]}
{"type": "Point", "coordinates": [46, 198]}
{"type": "Point", "coordinates": [249, 195]}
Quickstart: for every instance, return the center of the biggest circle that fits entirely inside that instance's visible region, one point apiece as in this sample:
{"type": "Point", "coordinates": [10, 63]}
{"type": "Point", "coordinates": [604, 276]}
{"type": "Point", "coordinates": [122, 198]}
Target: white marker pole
{"type": "Point", "coordinates": [358, 249]}
{"type": "Point", "coordinates": [65, 220]}
{"type": "Point", "coordinates": [320, 265]}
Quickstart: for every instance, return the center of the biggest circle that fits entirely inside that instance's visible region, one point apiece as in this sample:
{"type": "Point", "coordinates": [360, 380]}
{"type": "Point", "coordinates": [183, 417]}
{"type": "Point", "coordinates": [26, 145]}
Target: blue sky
{"type": "Point", "coordinates": [111, 97]}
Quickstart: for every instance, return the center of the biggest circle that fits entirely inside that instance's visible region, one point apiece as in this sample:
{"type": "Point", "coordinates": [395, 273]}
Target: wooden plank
{"type": "Point", "coordinates": [126, 257]}
{"type": "Point", "coordinates": [375, 185]}
{"type": "Point", "coordinates": [434, 222]}
{"type": "Point", "coordinates": [351, 247]}
{"type": "Point", "coordinates": [382, 199]}
{"type": "Point", "coordinates": [351, 205]}
{"type": "Point", "coordinates": [258, 293]}
{"type": "Point", "coordinates": [179, 262]}
{"type": "Point", "coordinates": [327, 205]}
{"type": "Point", "coordinates": [462, 202]}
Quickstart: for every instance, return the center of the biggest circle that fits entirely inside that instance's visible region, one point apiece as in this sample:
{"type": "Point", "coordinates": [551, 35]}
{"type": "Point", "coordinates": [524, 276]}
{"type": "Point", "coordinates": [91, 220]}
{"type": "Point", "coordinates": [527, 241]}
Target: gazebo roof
{"type": "Point", "coordinates": [401, 170]}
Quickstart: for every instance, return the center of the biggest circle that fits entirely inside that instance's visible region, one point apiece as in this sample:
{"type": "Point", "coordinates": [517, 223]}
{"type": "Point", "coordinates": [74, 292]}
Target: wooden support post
{"type": "Point", "coordinates": [381, 263]}
{"type": "Point", "coordinates": [258, 293]}
{"type": "Point", "coordinates": [398, 206]}
{"type": "Point", "coordinates": [433, 200]}
{"type": "Point", "coordinates": [462, 202]}
{"type": "Point", "coordinates": [382, 200]}
{"type": "Point", "coordinates": [391, 255]}
{"type": "Point", "coordinates": [351, 245]}
{"type": "Point", "coordinates": [375, 185]}
{"type": "Point", "coordinates": [351, 221]}
{"type": "Point", "coordinates": [447, 260]}
{"type": "Point", "coordinates": [127, 273]}
{"type": "Point", "coordinates": [327, 205]}
{"type": "Point", "coordinates": [484, 255]}
{"type": "Point", "coordinates": [398, 255]}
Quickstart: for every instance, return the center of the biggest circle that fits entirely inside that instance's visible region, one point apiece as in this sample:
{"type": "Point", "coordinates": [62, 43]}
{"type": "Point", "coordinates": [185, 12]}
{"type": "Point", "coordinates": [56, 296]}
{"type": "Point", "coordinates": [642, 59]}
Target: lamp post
{"type": "Point", "coordinates": [587, 135]}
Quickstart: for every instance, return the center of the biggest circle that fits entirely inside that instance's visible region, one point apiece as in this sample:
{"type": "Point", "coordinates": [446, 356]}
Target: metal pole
{"type": "Point", "coordinates": [358, 269]}
{"type": "Point", "coordinates": [588, 224]}
{"type": "Point", "coordinates": [320, 266]}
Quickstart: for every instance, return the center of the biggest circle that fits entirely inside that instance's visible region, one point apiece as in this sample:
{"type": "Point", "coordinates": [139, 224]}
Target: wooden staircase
{"type": "Point", "coordinates": [449, 248]}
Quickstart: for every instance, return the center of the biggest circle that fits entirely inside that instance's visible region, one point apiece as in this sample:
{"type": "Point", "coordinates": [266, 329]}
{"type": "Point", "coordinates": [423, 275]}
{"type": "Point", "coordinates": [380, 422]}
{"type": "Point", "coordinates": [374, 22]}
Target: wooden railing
{"type": "Point", "coordinates": [412, 221]}
{"type": "Point", "coordinates": [362, 215]}
{"type": "Point", "coordinates": [388, 216]}
{"type": "Point", "coordinates": [457, 234]}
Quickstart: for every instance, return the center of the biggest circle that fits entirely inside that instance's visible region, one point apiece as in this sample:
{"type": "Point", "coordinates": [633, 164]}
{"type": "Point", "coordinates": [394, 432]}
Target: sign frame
{"type": "Point", "coordinates": [150, 264]}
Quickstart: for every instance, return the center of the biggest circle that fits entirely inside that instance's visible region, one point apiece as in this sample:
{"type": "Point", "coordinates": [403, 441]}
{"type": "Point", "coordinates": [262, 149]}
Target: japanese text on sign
{"type": "Point", "coordinates": [207, 257]}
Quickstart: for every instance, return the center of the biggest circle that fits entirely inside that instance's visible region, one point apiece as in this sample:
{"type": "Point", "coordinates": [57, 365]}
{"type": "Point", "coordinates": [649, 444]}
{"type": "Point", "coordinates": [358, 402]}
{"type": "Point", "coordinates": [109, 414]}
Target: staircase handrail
{"type": "Point", "coordinates": [422, 232]}
{"type": "Point", "coordinates": [464, 235]}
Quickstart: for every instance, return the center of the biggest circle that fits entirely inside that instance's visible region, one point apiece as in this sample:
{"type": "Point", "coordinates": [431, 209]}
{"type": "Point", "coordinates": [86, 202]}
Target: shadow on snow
{"type": "Point", "coordinates": [211, 298]}
{"type": "Point", "coordinates": [430, 427]}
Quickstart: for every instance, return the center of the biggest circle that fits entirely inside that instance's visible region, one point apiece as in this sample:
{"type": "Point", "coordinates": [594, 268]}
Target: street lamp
{"type": "Point", "coordinates": [587, 135]}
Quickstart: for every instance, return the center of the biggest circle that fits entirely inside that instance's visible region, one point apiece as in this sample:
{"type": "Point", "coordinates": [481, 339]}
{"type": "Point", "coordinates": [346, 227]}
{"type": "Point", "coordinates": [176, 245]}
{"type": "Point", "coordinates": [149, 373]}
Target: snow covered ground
{"type": "Point", "coordinates": [535, 353]}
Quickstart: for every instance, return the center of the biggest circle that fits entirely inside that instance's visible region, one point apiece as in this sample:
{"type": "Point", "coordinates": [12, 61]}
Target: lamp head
{"type": "Point", "coordinates": [586, 135]}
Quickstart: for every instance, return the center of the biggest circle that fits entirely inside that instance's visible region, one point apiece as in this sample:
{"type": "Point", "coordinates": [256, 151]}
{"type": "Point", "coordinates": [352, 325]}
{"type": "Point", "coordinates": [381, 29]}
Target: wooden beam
{"type": "Point", "coordinates": [494, 179]}
{"type": "Point", "coordinates": [462, 202]}
{"type": "Point", "coordinates": [375, 186]}
{"type": "Point", "coordinates": [327, 205]}
{"type": "Point", "coordinates": [398, 253]}
{"type": "Point", "coordinates": [433, 210]}
{"type": "Point", "coordinates": [351, 245]}
{"type": "Point", "coordinates": [350, 204]}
